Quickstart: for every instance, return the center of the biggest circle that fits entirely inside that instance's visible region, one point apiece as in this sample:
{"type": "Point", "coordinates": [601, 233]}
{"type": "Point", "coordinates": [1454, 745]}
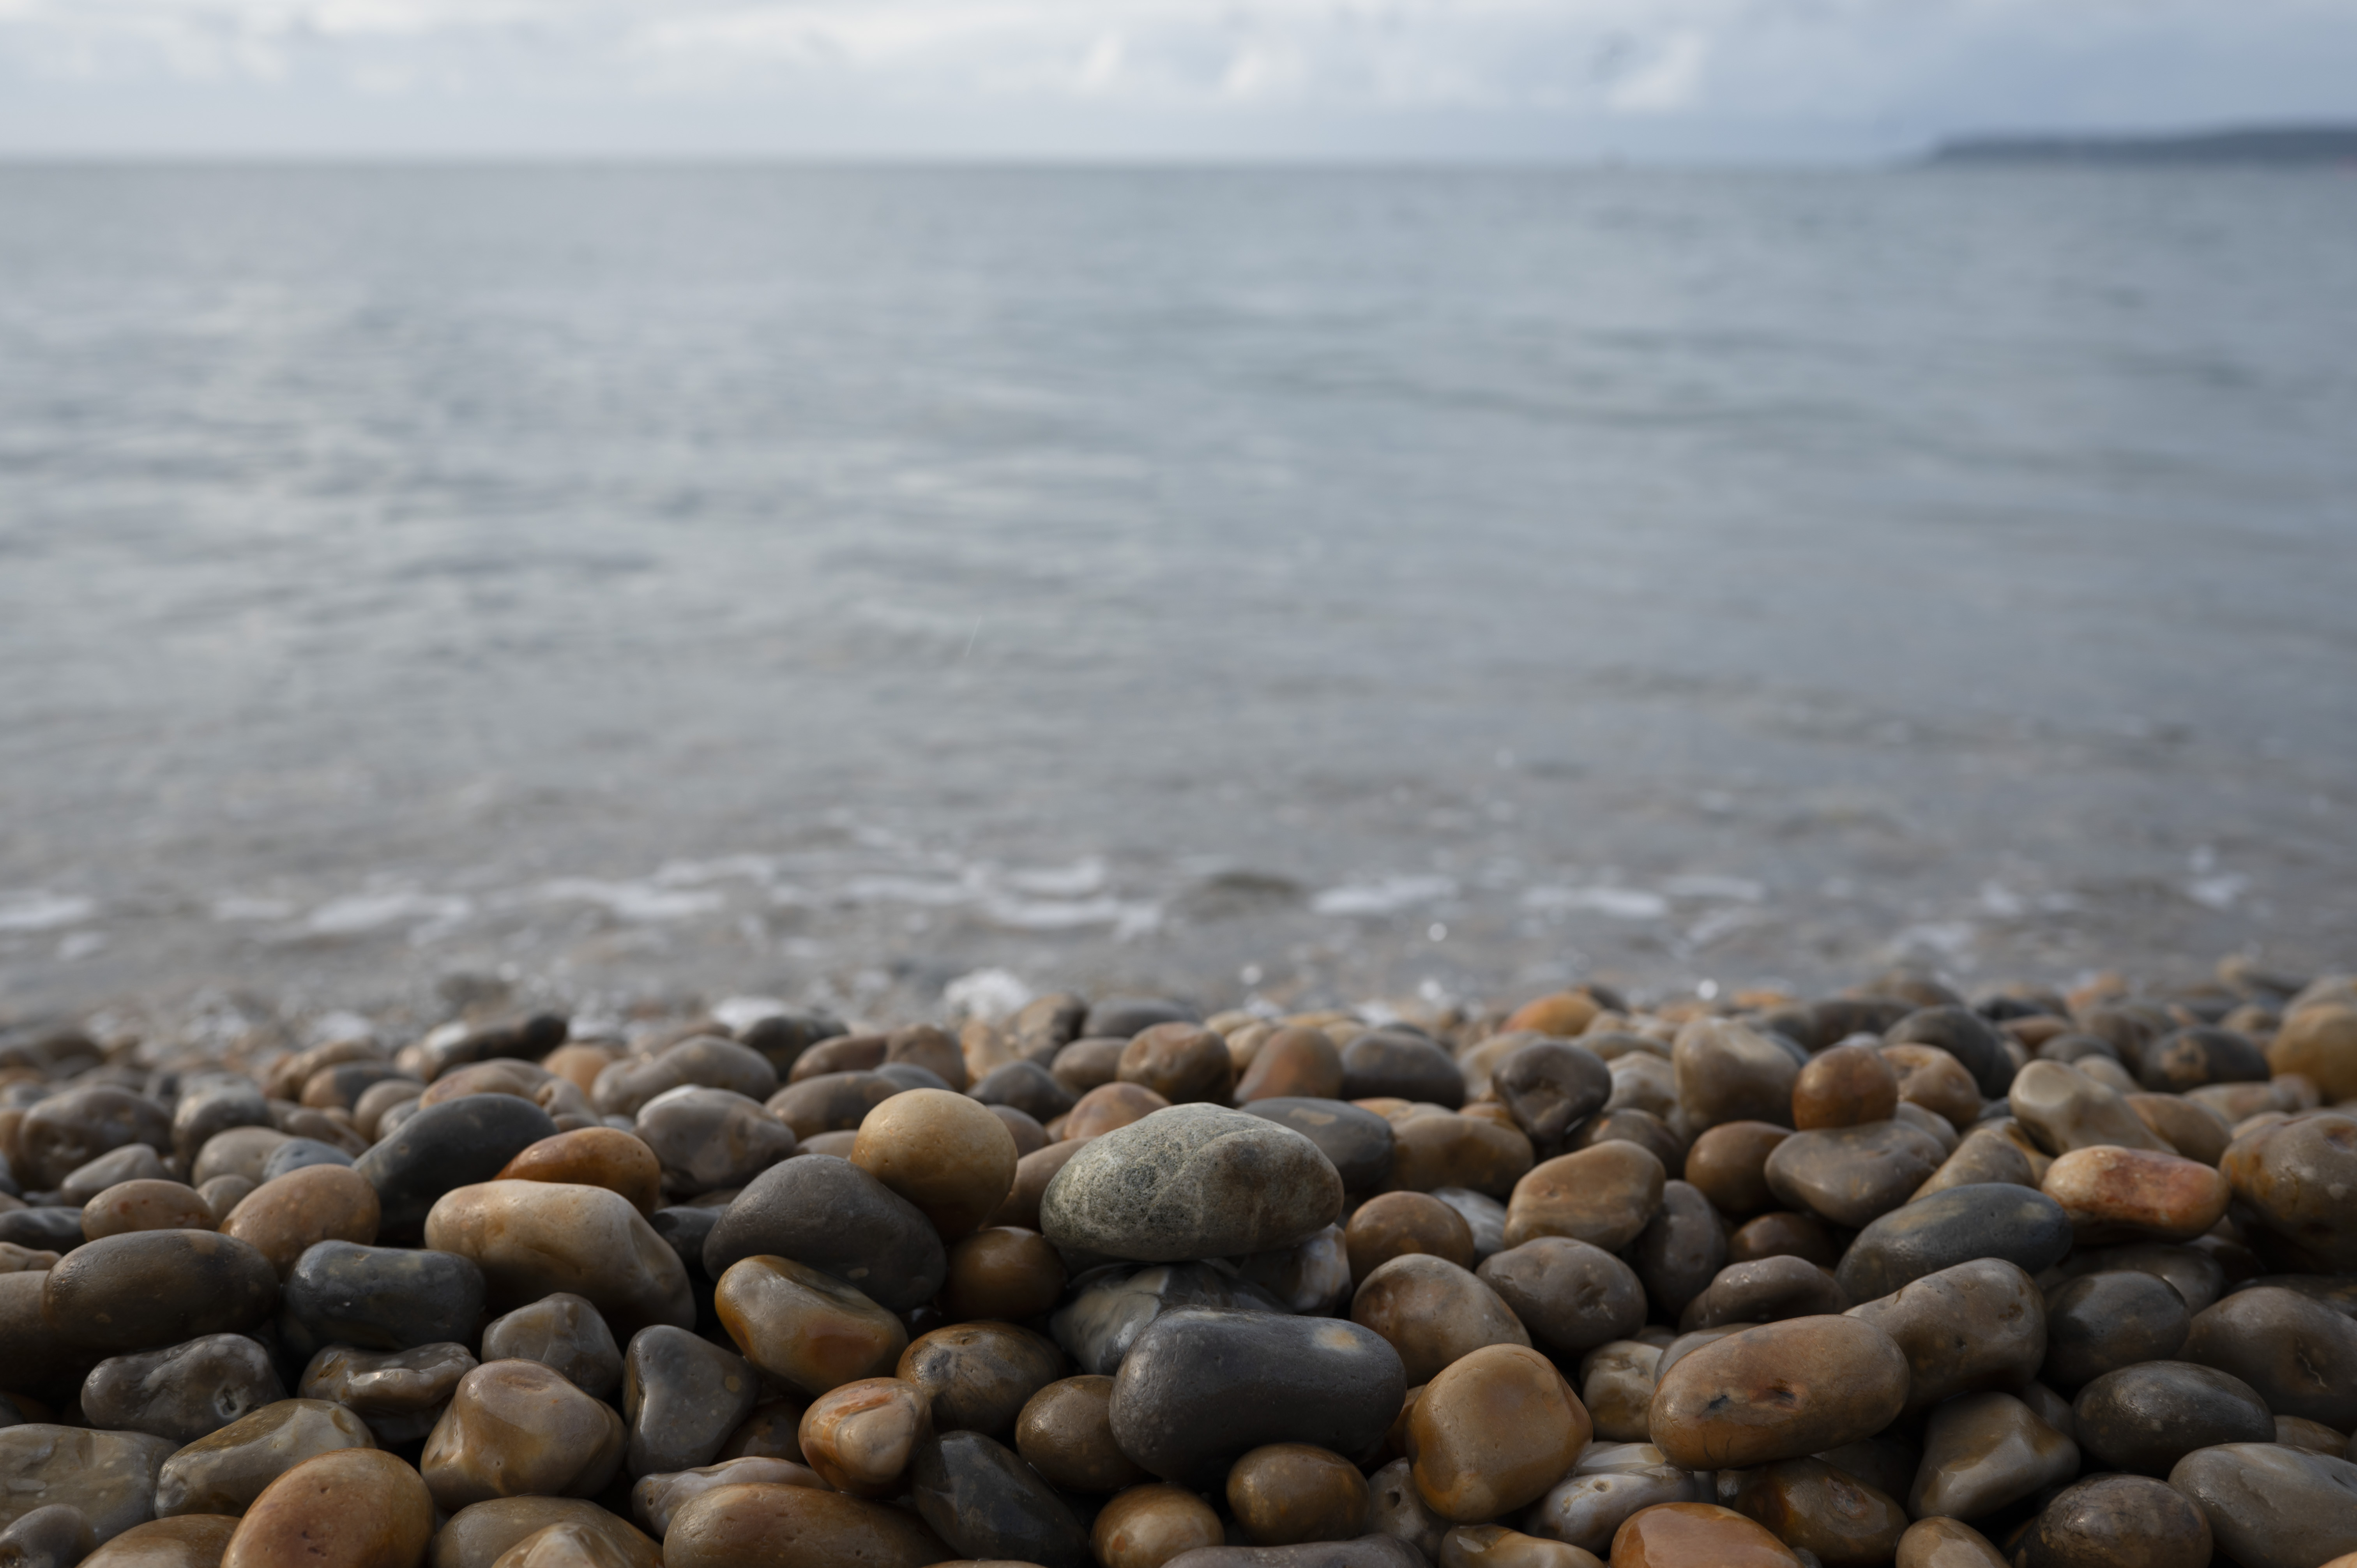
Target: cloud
{"type": "Point", "coordinates": [1898, 68]}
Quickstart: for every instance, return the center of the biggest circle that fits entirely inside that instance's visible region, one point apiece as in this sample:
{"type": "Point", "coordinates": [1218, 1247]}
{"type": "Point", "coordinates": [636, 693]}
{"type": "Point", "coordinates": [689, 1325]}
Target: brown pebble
{"type": "Point", "coordinates": [765, 1525]}
{"type": "Point", "coordinates": [223, 1472]}
{"type": "Point", "coordinates": [1728, 1072]}
{"type": "Point", "coordinates": [1183, 1063]}
{"type": "Point", "coordinates": [942, 1152]}
{"type": "Point", "coordinates": [771, 1431]}
{"type": "Point", "coordinates": [480, 1534]}
{"type": "Point", "coordinates": [859, 1437]}
{"type": "Point", "coordinates": [594, 1156]}
{"type": "Point", "coordinates": [287, 1215]}
{"type": "Point", "coordinates": [1946, 1543]}
{"type": "Point", "coordinates": [2135, 1195]}
{"type": "Point", "coordinates": [1432, 1313]}
{"type": "Point", "coordinates": [533, 1239]}
{"type": "Point", "coordinates": [1433, 1151]}
{"type": "Point", "coordinates": [1492, 1432]}
{"type": "Point", "coordinates": [806, 1327]}
{"type": "Point", "coordinates": [191, 1540]}
{"type": "Point", "coordinates": [1779, 1391]}
{"type": "Point", "coordinates": [1783, 1233]}
{"type": "Point", "coordinates": [1809, 1504]}
{"type": "Point", "coordinates": [979, 1376]}
{"type": "Point", "coordinates": [516, 1427]}
{"type": "Point", "coordinates": [1284, 1493]}
{"type": "Point", "coordinates": [1564, 1014]}
{"type": "Point", "coordinates": [1696, 1535]}
{"type": "Point", "coordinates": [1931, 1077]}
{"type": "Point", "coordinates": [654, 1499]}
{"type": "Point", "coordinates": [1983, 1451]}
{"type": "Point", "coordinates": [1604, 1196]}
{"type": "Point", "coordinates": [1495, 1546]}
{"type": "Point", "coordinates": [1065, 1433]}
{"type": "Point", "coordinates": [1396, 1224]}
{"type": "Point", "coordinates": [1147, 1526]}
{"type": "Point", "coordinates": [356, 1507]}
{"type": "Point", "coordinates": [1293, 1062]}
{"type": "Point", "coordinates": [1110, 1106]}
{"type": "Point", "coordinates": [146, 1205]}
{"type": "Point", "coordinates": [1004, 1272]}
{"type": "Point", "coordinates": [1728, 1162]}
{"type": "Point", "coordinates": [1032, 1173]}
{"type": "Point", "coordinates": [1845, 1086]}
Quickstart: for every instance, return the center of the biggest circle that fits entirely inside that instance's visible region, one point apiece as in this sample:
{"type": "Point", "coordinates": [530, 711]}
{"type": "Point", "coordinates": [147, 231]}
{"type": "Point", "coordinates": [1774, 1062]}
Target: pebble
{"type": "Point", "coordinates": [1110, 1107]}
{"type": "Point", "coordinates": [945, 1153]}
{"type": "Point", "coordinates": [1974, 1044]}
{"type": "Point", "coordinates": [52, 1536]}
{"type": "Point", "coordinates": [2017, 1224]}
{"type": "Point", "coordinates": [593, 1156]}
{"type": "Point", "coordinates": [2296, 1353]}
{"type": "Point", "coordinates": [516, 1427]}
{"type": "Point", "coordinates": [1432, 1313]}
{"type": "Point", "coordinates": [1105, 1315]}
{"type": "Point", "coordinates": [1766, 1291]}
{"type": "Point", "coordinates": [1065, 1433]}
{"type": "Point", "coordinates": [1033, 1171]}
{"type": "Point", "coordinates": [1397, 1511]}
{"type": "Point", "coordinates": [1779, 1391]}
{"type": "Point", "coordinates": [2270, 1506]}
{"type": "Point", "coordinates": [1367, 1551]}
{"type": "Point", "coordinates": [1292, 1063]}
{"type": "Point", "coordinates": [979, 1376]}
{"type": "Point", "coordinates": [442, 1148]}
{"type": "Point", "coordinates": [1492, 1432]}
{"type": "Point", "coordinates": [2064, 1109]}
{"type": "Point", "coordinates": [1728, 1164]}
{"type": "Point", "coordinates": [1084, 1065]}
{"type": "Point", "coordinates": [1148, 1526]}
{"type": "Point", "coordinates": [1550, 1087]}
{"type": "Point", "coordinates": [1783, 1233]}
{"type": "Point", "coordinates": [288, 1215]}
{"type": "Point", "coordinates": [151, 1288]}
{"type": "Point", "coordinates": [400, 1394]}
{"type": "Point", "coordinates": [1605, 1196]}
{"type": "Point", "coordinates": [1975, 1326]}
{"type": "Point", "coordinates": [480, 1534]}
{"type": "Point", "coordinates": [766, 1525]}
{"type": "Point", "coordinates": [1200, 1387]}
{"type": "Point", "coordinates": [1397, 1064]}
{"type": "Point", "coordinates": [2319, 1043]}
{"type": "Point", "coordinates": [2099, 1322]}
{"type": "Point", "coordinates": [192, 1541]}
{"type": "Point", "coordinates": [532, 1238]}
{"type": "Point", "coordinates": [1983, 1451]}
{"type": "Point", "coordinates": [1616, 1384]}
{"type": "Point", "coordinates": [354, 1507]}
{"type": "Point", "coordinates": [1846, 1086]}
{"type": "Point", "coordinates": [1194, 1181]}
{"type": "Point", "coordinates": [1495, 1546]}
{"type": "Point", "coordinates": [2290, 1182]}
{"type": "Point", "coordinates": [1696, 1535]}
{"type": "Point", "coordinates": [859, 1437]}
{"type": "Point", "coordinates": [145, 1204]}
{"type": "Point", "coordinates": [1946, 1543]}
{"type": "Point", "coordinates": [988, 1504]}
{"type": "Point", "coordinates": [565, 1333]}
{"type": "Point", "coordinates": [69, 1130]}
{"type": "Point", "coordinates": [2109, 1519]}
{"type": "Point", "coordinates": [1569, 1296]}
{"type": "Point", "coordinates": [133, 1162]}
{"type": "Point", "coordinates": [1398, 1223]}
{"type": "Point", "coordinates": [224, 1471]}
{"type": "Point", "coordinates": [1287, 1493]}
{"type": "Point", "coordinates": [1026, 1087]}
{"type": "Point", "coordinates": [831, 1214]}
{"type": "Point", "coordinates": [2145, 1418]}
{"type": "Point", "coordinates": [682, 1396]}
{"type": "Point", "coordinates": [1181, 1062]}
{"type": "Point", "coordinates": [108, 1476]}
{"type": "Point", "coordinates": [1355, 1140]}
{"type": "Point", "coordinates": [183, 1393]}
{"type": "Point", "coordinates": [1005, 1272]}
{"type": "Point", "coordinates": [1851, 1175]}
{"type": "Point", "coordinates": [1814, 1507]}
{"type": "Point", "coordinates": [379, 1298]}
{"type": "Point", "coordinates": [806, 1327]}
{"type": "Point", "coordinates": [656, 1498]}
{"type": "Point", "coordinates": [1470, 1151]}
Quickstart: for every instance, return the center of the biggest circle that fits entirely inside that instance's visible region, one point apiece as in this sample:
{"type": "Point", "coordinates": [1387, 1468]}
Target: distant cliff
{"type": "Point", "coordinates": [2305, 145]}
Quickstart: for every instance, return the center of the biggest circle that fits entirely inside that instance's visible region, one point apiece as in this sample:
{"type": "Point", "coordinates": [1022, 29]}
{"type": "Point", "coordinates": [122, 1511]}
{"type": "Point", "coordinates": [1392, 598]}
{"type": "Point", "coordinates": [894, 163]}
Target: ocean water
{"type": "Point", "coordinates": [828, 582]}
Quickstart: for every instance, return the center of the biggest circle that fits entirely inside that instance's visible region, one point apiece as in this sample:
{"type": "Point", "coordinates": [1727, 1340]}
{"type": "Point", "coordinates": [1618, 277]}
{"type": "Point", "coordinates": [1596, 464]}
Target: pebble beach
{"type": "Point", "coordinates": [1902, 1274]}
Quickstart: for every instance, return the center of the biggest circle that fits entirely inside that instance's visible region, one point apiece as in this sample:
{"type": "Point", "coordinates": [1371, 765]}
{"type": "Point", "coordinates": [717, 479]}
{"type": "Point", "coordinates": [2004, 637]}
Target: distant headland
{"type": "Point", "coordinates": [2282, 145]}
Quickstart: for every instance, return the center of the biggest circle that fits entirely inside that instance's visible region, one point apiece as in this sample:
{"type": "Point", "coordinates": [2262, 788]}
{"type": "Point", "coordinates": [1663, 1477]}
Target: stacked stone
{"type": "Point", "coordinates": [2056, 1282]}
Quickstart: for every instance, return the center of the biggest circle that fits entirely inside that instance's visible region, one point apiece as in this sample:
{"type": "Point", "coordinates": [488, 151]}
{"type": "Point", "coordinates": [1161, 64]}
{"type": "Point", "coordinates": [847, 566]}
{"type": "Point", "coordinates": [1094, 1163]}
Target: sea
{"type": "Point", "coordinates": [906, 589]}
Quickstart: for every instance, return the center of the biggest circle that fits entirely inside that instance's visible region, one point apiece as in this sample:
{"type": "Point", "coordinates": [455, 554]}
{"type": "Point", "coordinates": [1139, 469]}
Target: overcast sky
{"type": "Point", "coordinates": [1086, 78]}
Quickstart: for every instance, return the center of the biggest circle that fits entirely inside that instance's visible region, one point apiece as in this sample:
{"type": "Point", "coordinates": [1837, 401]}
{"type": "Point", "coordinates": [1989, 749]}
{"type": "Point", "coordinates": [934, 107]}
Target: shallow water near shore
{"type": "Point", "coordinates": [1329, 584]}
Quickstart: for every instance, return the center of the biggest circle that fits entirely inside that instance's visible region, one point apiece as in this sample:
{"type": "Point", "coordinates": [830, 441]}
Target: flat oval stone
{"type": "Point", "coordinates": [804, 1326]}
{"type": "Point", "coordinates": [515, 1427]}
{"type": "Point", "coordinates": [108, 1476]}
{"type": "Point", "coordinates": [41, 1229]}
{"type": "Point", "coordinates": [1550, 1087]}
{"type": "Point", "coordinates": [1779, 1391]}
{"type": "Point", "coordinates": [1693, 1535]}
{"type": "Point", "coordinates": [2269, 1507]}
{"type": "Point", "coordinates": [594, 1156]}
{"type": "Point", "coordinates": [828, 1214]}
{"type": "Point", "coordinates": [2296, 1353]}
{"type": "Point", "coordinates": [978, 1376]}
{"type": "Point", "coordinates": [1152, 1525]}
{"type": "Point", "coordinates": [288, 1215]}
{"type": "Point", "coordinates": [355, 1508]}
{"type": "Point", "coordinates": [1616, 1385]}
{"type": "Point", "coordinates": [1202, 1388]}
{"type": "Point", "coordinates": [2100, 1323]}
{"type": "Point", "coordinates": [69, 1130]}
{"type": "Point", "coordinates": [1963, 1035]}
{"type": "Point", "coordinates": [480, 1534]}
{"type": "Point", "coordinates": [1846, 1086]}
{"type": "Point", "coordinates": [989, 1504]}
{"type": "Point", "coordinates": [1065, 1433]}
{"type": "Point", "coordinates": [2064, 1110]}
{"type": "Point", "coordinates": [400, 1394]}
{"type": "Point", "coordinates": [223, 1472]}
{"type": "Point", "coordinates": [945, 1153]}
{"type": "Point", "coordinates": [2145, 1418]}
{"type": "Point", "coordinates": [1851, 1175]}
{"type": "Point", "coordinates": [149, 1288]}
{"type": "Point", "coordinates": [1432, 1313]}
{"type": "Point", "coordinates": [563, 1333]}
{"type": "Point", "coordinates": [859, 1437]}
{"type": "Point", "coordinates": [377, 1298]}
{"type": "Point", "coordinates": [1027, 1087]}
{"type": "Point", "coordinates": [1605, 1196]}
{"type": "Point", "coordinates": [2021, 1225]}
{"type": "Point", "coordinates": [706, 1139]}
{"type": "Point", "coordinates": [1287, 1493]}
{"type": "Point", "coordinates": [1179, 1061]}
{"type": "Point", "coordinates": [1430, 1152]}
{"type": "Point", "coordinates": [1975, 1326]}
{"type": "Point", "coordinates": [1682, 1248]}
{"type": "Point", "coordinates": [192, 1541]}
{"type": "Point", "coordinates": [1366, 1552]}
{"type": "Point", "coordinates": [1493, 1432]}
{"type": "Point", "coordinates": [133, 1162]}
{"type": "Point", "coordinates": [214, 1106]}
{"type": "Point", "coordinates": [1729, 1164]}
{"type": "Point", "coordinates": [656, 1498]}
{"type": "Point", "coordinates": [1767, 1291]}
{"type": "Point", "coordinates": [1194, 1181]}
{"type": "Point", "coordinates": [1726, 1071]}
{"type": "Point", "coordinates": [830, 1102]}
{"type": "Point", "coordinates": [532, 1238]}
{"type": "Point", "coordinates": [2108, 1519]}
{"type": "Point", "coordinates": [1396, 1224]}
{"type": "Point", "coordinates": [1104, 1316]}
{"type": "Point", "coordinates": [764, 1525]}
{"type": "Point", "coordinates": [443, 1148]}
{"type": "Point", "coordinates": [1811, 1505]}
{"type": "Point", "coordinates": [2190, 1058]}
{"type": "Point", "coordinates": [1568, 1295]}
{"type": "Point", "coordinates": [1983, 1451]}
{"type": "Point", "coordinates": [1291, 1063]}
{"type": "Point", "coordinates": [2291, 1183]}
{"type": "Point", "coordinates": [144, 1205]}
{"type": "Point", "coordinates": [566, 1546]}
{"type": "Point", "coordinates": [298, 1154]}
{"type": "Point", "coordinates": [184, 1392]}
{"type": "Point", "coordinates": [1356, 1142]}
{"type": "Point", "coordinates": [2114, 1194]}
{"type": "Point", "coordinates": [682, 1396]}
{"type": "Point", "coordinates": [1386, 1064]}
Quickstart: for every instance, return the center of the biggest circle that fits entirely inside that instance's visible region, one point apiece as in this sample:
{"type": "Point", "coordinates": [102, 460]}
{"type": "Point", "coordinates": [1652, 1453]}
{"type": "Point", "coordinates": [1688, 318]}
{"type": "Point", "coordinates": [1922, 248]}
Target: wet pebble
{"type": "Point", "coordinates": [1432, 1313]}
{"type": "Point", "coordinates": [144, 1205]}
{"type": "Point", "coordinates": [516, 1427]}
{"type": "Point", "coordinates": [1150, 1525]}
{"type": "Point", "coordinates": [1287, 1493]}
{"type": "Point", "coordinates": [182, 1393]}
{"type": "Point", "coordinates": [1779, 1391]}
{"type": "Point", "coordinates": [2296, 1353]}
{"type": "Point", "coordinates": [828, 1214]}
{"type": "Point", "coordinates": [988, 1504]}
{"type": "Point", "coordinates": [445, 1147]}
{"type": "Point", "coordinates": [1696, 1535]}
{"type": "Point", "coordinates": [1816, 1508]}
{"type": "Point", "coordinates": [150, 1288]}
{"type": "Point", "coordinates": [224, 1471]}
{"type": "Point", "coordinates": [593, 1156]}
{"type": "Point", "coordinates": [1492, 1432]}
{"type": "Point", "coordinates": [354, 1507]}
{"type": "Point", "coordinates": [2100, 1323]}
{"type": "Point", "coordinates": [1983, 1451]}
{"type": "Point", "coordinates": [1397, 1064]}
{"type": "Point", "coordinates": [1550, 1087]}
{"type": "Point", "coordinates": [1179, 1061]}
{"type": "Point", "coordinates": [2107, 1520]}
{"type": "Point", "coordinates": [531, 1238]}
{"type": "Point", "coordinates": [1195, 1181]}
{"type": "Point", "coordinates": [1606, 1196]}
{"type": "Point", "coordinates": [1292, 1063]}
{"type": "Point", "coordinates": [1764, 1291]}
{"type": "Point", "coordinates": [1850, 1176]}
{"type": "Point", "coordinates": [1974, 1326]}
{"type": "Point", "coordinates": [1356, 1142]}
{"type": "Point", "coordinates": [193, 1540]}
{"type": "Point", "coordinates": [682, 1396]}
{"type": "Point", "coordinates": [400, 1394]}
{"type": "Point", "coordinates": [859, 1437]}
{"type": "Point", "coordinates": [2017, 1224]}
{"type": "Point", "coordinates": [2270, 1506]}
{"type": "Point", "coordinates": [380, 1298]}
{"type": "Point", "coordinates": [1004, 1272]}
{"type": "Point", "coordinates": [2144, 1419]}
{"type": "Point", "coordinates": [289, 1214]}
{"type": "Point", "coordinates": [805, 1327]}
{"type": "Point", "coordinates": [977, 1377]}
{"type": "Point", "coordinates": [1065, 1433]}
{"type": "Point", "coordinates": [54, 1535]}
{"type": "Point", "coordinates": [1568, 1295]}
{"type": "Point", "coordinates": [1398, 1223]}
{"type": "Point", "coordinates": [654, 1499]}
{"type": "Point", "coordinates": [943, 1152]}
{"type": "Point", "coordinates": [563, 1333]}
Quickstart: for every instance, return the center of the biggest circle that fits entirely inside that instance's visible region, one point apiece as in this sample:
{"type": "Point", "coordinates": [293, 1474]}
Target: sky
{"type": "Point", "coordinates": [1724, 80]}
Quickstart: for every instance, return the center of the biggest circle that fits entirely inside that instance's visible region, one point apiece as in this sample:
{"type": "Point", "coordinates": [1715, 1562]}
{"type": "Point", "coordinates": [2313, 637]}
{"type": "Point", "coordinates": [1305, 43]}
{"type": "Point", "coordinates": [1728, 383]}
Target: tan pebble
{"type": "Point", "coordinates": [1495, 1546]}
{"type": "Point", "coordinates": [2135, 1195]}
{"type": "Point", "coordinates": [287, 1215]}
{"type": "Point", "coordinates": [1458, 1150]}
{"type": "Point", "coordinates": [859, 1437]}
{"type": "Point", "coordinates": [1302, 1063]}
{"type": "Point", "coordinates": [1616, 1386]}
{"type": "Point", "coordinates": [1696, 1535]}
{"type": "Point", "coordinates": [533, 1239]}
{"type": "Point", "coordinates": [1809, 1504]}
{"type": "Point", "coordinates": [579, 1065]}
{"type": "Point", "coordinates": [1983, 1451]}
{"type": "Point", "coordinates": [2063, 1108]}
{"type": "Point", "coordinates": [1931, 1077]}
{"type": "Point", "coordinates": [1728, 1163]}
{"type": "Point", "coordinates": [1727, 1072]}
{"type": "Point", "coordinates": [1284, 1493]}
{"type": "Point", "coordinates": [1563, 1014]}
{"type": "Point", "coordinates": [566, 1546]}
{"type": "Point", "coordinates": [480, 1534]}
{"type": "Point", "coordinates": [1605, 1196]}
{"type": "Point", "coordinates": [594, 1156]}
{"type": "Point", "coordinates": [1110, 1106]}
{"type": "Point", "coordinates": [805, 1327]}
{"type": "Point", "coordinates": [1493, 1432]}
{"type": "Point", "coordinates": [225, 1471]}
{"type": "Point", "coordinates": [514, 1427]}
{"type": "Point", "coordinates": [942, 1152]}
{"type": "Point", "coordinates": [1979, 1157]}
{"type": "Point", "coordinates": [191, 1540]}
{"type": "Point", "coordinates": [1065, 1433]}
{"type": "Point", "coordinates": [1964, 1329]}
{"type": "Point", "coordinates": [1147, 1526]}
{"type": "Point", "coordinates": [1845, 1086]}
{"type": "Point", "coordinates": [146, 1205]}
{"type": "Point", "coordinates": [1779, 1391]}
{"type": "Point", "coordinates": [357, 1507]}
{"type": "Point", "coordinates": [1397, 1224]}
{"type": "Point", "coordinates": [1004, 1272]}
{"type": "Point", "coordinates": [655, 1499]}
{"type": "Point", "coordinates": [978, 1376]}
{"type": "Point", "coordinates": [1783, 1234]}
{"type": "Point", "coordinates": [1946, 1543]}
{"type": "Point", "coordinates": [1432, 1313]}
{"type": "Point", "coordinates": [929, 1047]}
{"type": "Point", "coordinates": [764, 1525]}
{"type": "Point", "coordinates": [1183, 1063]}
{"type": "Point", "coordinates": [1033, 1171]}
{"type": "Point", "coordinates": [2319, 1043]}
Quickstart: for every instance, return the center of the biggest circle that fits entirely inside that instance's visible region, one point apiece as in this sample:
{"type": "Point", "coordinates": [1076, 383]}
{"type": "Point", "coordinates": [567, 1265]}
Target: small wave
{"type": "Point", "coordinates": [1621, 903]}
{"type": "Point", "coordinates": [1387, 896]}
{"type": "Point", "coordinates": [44, 911]}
